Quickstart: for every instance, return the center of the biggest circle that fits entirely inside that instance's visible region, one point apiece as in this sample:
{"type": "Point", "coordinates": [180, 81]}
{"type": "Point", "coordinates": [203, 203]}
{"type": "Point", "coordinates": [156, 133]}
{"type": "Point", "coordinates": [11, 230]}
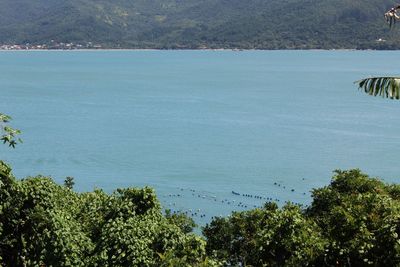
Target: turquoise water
{"type": "Point", "coordinates": [197, 125]}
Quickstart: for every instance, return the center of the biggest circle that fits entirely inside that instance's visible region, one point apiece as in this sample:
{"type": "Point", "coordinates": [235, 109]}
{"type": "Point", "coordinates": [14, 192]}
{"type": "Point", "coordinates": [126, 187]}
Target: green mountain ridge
{"type": "Point", "coordinates": [190, 24]}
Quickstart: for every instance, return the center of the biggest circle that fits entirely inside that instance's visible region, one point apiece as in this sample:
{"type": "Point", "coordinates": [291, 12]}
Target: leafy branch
{"type": "Point", "coordinates": [391, 16]}
{"type": "Point", "coordinates": [387, 87]}
{"type": "Point", "coordinates": [8, 134]}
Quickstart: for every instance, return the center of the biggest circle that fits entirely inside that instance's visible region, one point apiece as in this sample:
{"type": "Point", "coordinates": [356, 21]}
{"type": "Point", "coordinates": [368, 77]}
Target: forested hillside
{"type": "Point", "coordinates": [259, 24]}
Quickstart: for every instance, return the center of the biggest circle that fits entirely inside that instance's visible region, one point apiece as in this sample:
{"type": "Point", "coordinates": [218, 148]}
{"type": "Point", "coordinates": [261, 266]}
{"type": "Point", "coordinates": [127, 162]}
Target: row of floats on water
{"type": "Point", "coordinates": [254, 196]}
{"type": "Point", "coordinates": [198, 213]}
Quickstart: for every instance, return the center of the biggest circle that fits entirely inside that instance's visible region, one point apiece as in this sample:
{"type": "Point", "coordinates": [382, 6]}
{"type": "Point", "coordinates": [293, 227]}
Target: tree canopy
{"type": "Point", "coordinates": [354, 221]}
{"type": "Point", "coordinates": [46, 224]}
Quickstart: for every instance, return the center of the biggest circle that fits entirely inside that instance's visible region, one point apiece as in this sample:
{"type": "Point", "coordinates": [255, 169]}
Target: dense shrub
{"type": "Point", "coordinates": [267, 236]}
{"type": "Point", "coordinates": [361, 219]}
{"type": "Point", "coordinates": [45, 224]}
{"type": "Point", "coordinates": [355, 221]}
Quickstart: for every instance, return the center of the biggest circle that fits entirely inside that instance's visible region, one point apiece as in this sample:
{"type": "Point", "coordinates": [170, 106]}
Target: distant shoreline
{"type": "Point", "coordinates": [205, 49]}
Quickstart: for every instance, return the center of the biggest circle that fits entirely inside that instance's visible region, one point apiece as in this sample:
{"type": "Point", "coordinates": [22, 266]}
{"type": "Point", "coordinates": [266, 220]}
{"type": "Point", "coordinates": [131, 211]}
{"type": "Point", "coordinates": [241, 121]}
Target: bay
{"type": "Point", "coordinates": [197, 125]}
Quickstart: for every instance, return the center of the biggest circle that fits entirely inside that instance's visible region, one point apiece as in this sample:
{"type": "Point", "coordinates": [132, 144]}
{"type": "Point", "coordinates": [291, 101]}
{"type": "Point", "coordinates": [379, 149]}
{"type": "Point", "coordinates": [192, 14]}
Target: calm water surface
{"type": "Point", "coordinates": [197, 125]}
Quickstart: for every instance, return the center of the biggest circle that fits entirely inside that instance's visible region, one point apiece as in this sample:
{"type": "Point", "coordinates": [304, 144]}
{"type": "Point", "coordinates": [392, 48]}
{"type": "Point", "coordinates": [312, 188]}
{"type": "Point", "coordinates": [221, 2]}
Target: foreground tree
{"type": "Point", "coordinates": [355, 221]}
{"type": "Point", "coordinates": [268, 236]}
{"type": "Point", "coordinates": [360, 216]}
{"type": "Point", "coordinates": [45, 224]}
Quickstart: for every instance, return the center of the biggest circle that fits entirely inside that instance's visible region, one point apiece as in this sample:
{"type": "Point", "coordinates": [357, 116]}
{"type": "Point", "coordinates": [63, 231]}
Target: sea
{"type": "Point", "coordinates": [211, 131]}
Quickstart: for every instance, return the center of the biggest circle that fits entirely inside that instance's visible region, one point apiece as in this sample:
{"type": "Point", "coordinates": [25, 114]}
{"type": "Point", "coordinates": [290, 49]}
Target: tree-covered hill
{"type": "Point", "coordinates": [267, 24]}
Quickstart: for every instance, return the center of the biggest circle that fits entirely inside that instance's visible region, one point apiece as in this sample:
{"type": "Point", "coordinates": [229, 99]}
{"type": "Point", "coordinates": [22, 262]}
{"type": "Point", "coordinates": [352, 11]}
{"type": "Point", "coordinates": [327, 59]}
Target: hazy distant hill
{"type": "Point", "coordinates": [269, 24]}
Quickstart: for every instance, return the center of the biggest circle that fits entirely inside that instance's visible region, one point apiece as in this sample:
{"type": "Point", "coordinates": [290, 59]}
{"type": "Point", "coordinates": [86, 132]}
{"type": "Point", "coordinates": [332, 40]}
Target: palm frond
{"type": "Point", "coordinates": [391, 16]}
{"type": "Point", "coordinates": [388, 87]}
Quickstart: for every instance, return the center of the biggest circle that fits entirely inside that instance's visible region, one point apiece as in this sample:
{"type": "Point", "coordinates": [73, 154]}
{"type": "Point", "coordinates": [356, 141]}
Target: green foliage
{"type": "Point", "coordinates": [184, 222]}
{"type": "Point", "coordinates": [134, 233]}
{"type": "Point", "coordinates": [69, 182]}
{"type": "Point", "coordinates": [171, 260]}
{"type": "Point", "coordinates": [391, 16]}
{"type": "Point", "coordinates": [45, 224]}
{"type": "Point", "coordinates": [37, 224]}
{"type": "Point", "coordinates": [361, 218]}
{"type": "Point", "coordinates": [265, 237]}
{"type": "Point", "coordinates": [7, 134]}
{"type": "Point", "coordinates": [388, 87]}
{"type": "Point", "coordinates": [191, 24]}
{"type": "Point", "coordinates": [355, 221]}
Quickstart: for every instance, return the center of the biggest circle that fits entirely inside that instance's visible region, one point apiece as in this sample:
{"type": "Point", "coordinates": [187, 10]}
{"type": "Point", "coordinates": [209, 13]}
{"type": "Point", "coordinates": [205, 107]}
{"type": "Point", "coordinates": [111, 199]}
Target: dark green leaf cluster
{"type": "Point", "coordinates": [388, 87]}
{"type": "Point", "coordinates": [355, 221]}
{"type": "Point", "coordinates": [267, 236]}
{"type": "Point", "coordinates": [8, 135]}
{"type": "Point", "coordinates": [45, 224]}
{"type": "Point", "coordinates": [69, 182]}
{"type": "Point", "coordinates": [185, 223]}
{"type": "Point", "coordinates": [360, 217]}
